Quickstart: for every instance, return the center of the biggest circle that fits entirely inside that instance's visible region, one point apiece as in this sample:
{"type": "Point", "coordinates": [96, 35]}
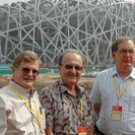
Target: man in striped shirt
{"type": "Point", "coordinates": [113, 92]}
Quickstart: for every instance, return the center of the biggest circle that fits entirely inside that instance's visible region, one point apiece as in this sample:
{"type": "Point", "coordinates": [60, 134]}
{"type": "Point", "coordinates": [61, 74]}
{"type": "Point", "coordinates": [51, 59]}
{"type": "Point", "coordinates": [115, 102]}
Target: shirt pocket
{"type": "Point", "coordinates": [132, 102]}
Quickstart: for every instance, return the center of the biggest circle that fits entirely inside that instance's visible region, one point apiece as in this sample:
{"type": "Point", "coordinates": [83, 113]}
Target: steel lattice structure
{"type": "Point", "coordinates": [48, 27]}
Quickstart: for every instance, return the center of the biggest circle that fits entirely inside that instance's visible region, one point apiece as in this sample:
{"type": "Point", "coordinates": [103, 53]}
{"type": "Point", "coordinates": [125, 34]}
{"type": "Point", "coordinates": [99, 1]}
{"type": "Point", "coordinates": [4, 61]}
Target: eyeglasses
{"type": "Point", "coordinates": [68, 66]}
{"type": "Point", "coordinates": [27, 70]}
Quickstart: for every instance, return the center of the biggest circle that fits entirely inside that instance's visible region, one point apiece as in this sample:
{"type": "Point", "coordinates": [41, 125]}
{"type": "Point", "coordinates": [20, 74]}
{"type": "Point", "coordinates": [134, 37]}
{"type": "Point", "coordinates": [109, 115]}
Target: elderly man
{"type": "Point", "coordinates": [113, 92]}
{"type": "Point", "coordinates": [20, 109]}
{"type": "Point", "coordinates": [68, 108]}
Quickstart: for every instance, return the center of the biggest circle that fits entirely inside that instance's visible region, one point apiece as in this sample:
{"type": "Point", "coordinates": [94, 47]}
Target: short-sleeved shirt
{"type": "Point", "coordinates": [15, 117]}
{"type": "Point", "coordinates": [104, 92]}
{"type": "Point", "coordinates": [60, 112]}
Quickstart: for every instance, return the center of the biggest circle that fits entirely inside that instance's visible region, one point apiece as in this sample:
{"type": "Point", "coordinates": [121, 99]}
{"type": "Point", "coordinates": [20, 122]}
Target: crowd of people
{"type": "Point", "coordinates": [65, 108]}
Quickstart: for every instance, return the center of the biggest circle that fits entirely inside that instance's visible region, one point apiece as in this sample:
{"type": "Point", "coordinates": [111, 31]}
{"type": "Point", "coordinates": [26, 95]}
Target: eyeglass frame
{"type": "Point", "coordinates": [35, 72]}
{"type": "Point", "coordinates": [69, 66]}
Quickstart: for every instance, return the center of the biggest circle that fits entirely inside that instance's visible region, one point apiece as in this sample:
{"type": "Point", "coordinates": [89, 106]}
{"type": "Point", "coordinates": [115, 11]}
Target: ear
{"type": "Point", "coordinates": [13, 69]}
{"type": "Point", "coordinates": [113, 54]}
{"type": "Point", "coordinates": [59, 67]}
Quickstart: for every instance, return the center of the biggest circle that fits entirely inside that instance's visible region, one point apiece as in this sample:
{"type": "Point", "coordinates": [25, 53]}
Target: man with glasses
{"type": "Point", "coordinates": [20, 109]}
{"type": "Point", "coordinates": [113, 92]}
{"type": "Point", "coordinates": [68, 108]}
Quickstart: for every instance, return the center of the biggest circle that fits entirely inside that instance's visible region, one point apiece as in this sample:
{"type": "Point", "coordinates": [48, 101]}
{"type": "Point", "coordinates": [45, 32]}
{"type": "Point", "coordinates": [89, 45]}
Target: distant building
{"type": "Point", "coordinates": [48, 27]}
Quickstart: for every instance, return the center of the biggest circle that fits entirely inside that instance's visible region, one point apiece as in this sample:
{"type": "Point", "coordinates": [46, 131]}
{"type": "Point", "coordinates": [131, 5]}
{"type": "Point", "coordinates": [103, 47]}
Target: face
{"type": "Point", "coordinates": [26, 74]}
{"type": "Point", "coordinates": [125, 55]}
{"type": "Point", "coordinates": [71, 69]}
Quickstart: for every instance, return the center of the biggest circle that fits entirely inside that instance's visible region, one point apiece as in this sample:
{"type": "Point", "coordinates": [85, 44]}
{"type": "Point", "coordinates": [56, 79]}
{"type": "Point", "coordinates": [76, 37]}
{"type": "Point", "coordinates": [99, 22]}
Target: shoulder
{"type": "Point", "coordinates": [105, 73]}
{"type": "Point", "coordinates": [49, 90]}
{"type": "Point", "coordinates": [101, 78]}
{"type": "Point", "coordinates": [50, 93]}
{"type": "Point", "coordinates": [6, 96]}
{"type": "Point", "coordinates": [4, 92]}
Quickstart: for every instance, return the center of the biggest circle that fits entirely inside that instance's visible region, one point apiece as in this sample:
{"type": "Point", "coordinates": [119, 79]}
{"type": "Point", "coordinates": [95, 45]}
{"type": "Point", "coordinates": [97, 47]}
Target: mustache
{"type": "Point", "coordinates": [71, 74]}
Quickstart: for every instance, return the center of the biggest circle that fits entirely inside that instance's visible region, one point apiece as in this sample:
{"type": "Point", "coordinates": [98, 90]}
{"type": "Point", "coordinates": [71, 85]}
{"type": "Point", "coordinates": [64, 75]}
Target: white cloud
{"type": "Point", "coordinates": [2, 2]}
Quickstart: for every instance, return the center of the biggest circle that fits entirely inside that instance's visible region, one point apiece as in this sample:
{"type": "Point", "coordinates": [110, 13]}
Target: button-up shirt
{"type": "Point", "coordinates": [60, 112]}
{"type": "Point", "coordinates": [15, 117]}
{"type": "Point", "coordinates": [104, 92]}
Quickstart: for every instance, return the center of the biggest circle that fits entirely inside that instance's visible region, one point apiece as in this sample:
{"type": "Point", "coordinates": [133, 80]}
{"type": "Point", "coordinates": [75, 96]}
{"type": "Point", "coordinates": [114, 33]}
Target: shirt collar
{"type": "Point", "coordinates": [23, 91]}
{"type": "Point", "coordinates": [132, 74]}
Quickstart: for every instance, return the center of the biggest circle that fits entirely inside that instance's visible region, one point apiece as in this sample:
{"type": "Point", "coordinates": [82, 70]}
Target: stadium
{"type": "Point", "coordinates": [48, 27]}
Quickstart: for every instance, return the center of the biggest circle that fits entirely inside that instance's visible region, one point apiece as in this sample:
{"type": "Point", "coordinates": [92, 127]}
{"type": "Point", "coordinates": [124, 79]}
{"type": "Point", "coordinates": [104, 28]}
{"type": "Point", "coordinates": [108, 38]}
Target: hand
{"type": "Point", "coordinates": [49, 130]}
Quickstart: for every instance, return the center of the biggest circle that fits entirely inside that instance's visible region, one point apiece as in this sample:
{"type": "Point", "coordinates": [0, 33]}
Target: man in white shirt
{"type": "Point", "coordinates": [113, 92]}
{"type": "Point", "coordinates": [20, 109]}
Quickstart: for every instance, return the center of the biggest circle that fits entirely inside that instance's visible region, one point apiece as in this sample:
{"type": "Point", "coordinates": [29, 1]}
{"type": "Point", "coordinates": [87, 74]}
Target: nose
{"type": "Point", "coordinates": [73, 70]}
{"type": "Point", "coordinates": [127, 53]}
{"type": "Point", "coordinates": [30, 73]}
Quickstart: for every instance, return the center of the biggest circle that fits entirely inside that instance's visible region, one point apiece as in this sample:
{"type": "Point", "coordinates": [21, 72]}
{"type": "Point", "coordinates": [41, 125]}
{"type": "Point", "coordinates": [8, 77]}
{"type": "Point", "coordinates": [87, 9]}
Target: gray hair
{"type": "Point", "coordinates": [69, 51]}
{"type": "Point", "coordinates": [121, 39]}
{"type": "Point", "coordinates": [27, 56]}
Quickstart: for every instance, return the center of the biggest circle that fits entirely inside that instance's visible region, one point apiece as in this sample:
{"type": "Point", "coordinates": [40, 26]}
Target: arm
{"type": "Point", "coordinates": [89, 115]}
{"type": "Point", "coordinates": [92, 131]}
{"type": "Point", "coordinates": [3, 117]}
{"type": "Point", "coordinates": [49, 130]}
{"type": "Point", "coordinates": [97, 107]}
{"type": "Point", "coordinates": [47, 103]}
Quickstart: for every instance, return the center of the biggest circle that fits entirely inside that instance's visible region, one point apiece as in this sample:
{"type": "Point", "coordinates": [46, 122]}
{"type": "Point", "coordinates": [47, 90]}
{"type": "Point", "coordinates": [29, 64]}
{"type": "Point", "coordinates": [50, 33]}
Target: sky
{"type": "Point", "coordinates": [2, 2]}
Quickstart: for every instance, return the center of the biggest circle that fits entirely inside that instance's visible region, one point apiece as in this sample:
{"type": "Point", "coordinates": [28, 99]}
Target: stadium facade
{"type": "Point", "coordinates": [48, 27]}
